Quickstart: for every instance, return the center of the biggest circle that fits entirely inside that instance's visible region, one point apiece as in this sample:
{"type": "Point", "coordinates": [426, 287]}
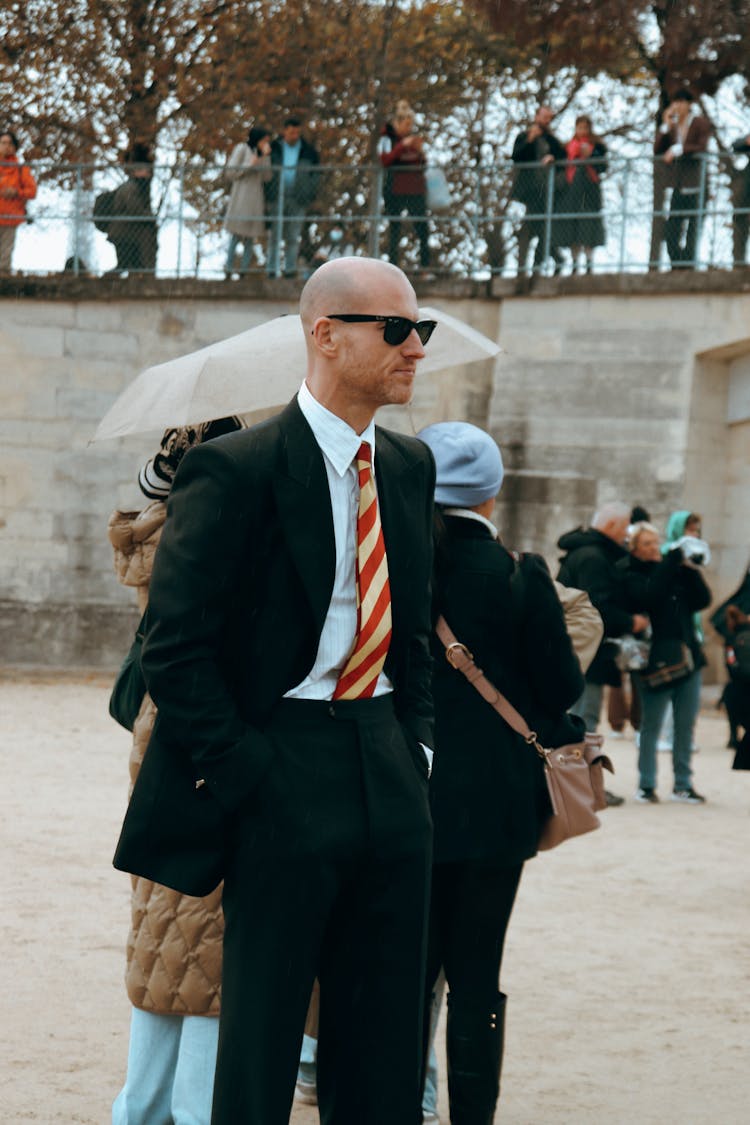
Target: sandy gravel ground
{"type": "Point", "coordinates": [627, 966]}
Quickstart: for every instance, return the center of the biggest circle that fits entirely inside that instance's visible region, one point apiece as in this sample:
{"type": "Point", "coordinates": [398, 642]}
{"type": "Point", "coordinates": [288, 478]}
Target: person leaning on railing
{"type": "Point", "coordinates": [401, 152]}
{"type": "Point", "coordinates": [17, 186]}
{"type": "Point", "coordinates": [535, 151]}
{"type": "Point", "coordinates": [682, 140]}
{"type": "Point", "coordinates": [132, 231]}
{"type": "Point", "coordinates": [289, 193]}
{"type": "Point", "coordinates": [741, 202]}
{"type": "Point", "coordinates": [248, 169]}
{"type": "Point", "coordinates": [581, 199]}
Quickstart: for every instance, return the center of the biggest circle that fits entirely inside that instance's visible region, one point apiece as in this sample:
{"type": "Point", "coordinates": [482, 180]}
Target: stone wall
{"type": "Point", "coordinates": [606, 389]}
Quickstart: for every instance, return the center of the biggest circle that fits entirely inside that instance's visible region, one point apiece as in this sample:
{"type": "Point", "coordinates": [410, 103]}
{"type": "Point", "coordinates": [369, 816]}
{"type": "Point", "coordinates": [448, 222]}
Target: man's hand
{"type": "Point", "coordinates": [548, 159]}
{"type": "Point", "coordinates": [640, 623]}
{"type": "Point", "coordinates": [668, 156]}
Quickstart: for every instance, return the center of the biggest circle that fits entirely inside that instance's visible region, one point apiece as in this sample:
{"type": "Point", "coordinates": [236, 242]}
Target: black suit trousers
{"type": "Point", "coordinates": [328, 876]}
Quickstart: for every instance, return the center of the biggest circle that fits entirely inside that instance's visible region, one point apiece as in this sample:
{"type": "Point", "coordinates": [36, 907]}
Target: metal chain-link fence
{"type": "Point", "coordinates": [624, 215]}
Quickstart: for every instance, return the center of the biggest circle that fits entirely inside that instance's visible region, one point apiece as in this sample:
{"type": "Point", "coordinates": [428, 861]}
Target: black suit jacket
{"type": "Point", "coordinates": [240, 590]}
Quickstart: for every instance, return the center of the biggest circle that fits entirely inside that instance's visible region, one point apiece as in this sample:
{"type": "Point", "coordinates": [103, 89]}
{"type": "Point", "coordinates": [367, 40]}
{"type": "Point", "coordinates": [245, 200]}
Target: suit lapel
{"type": "Point", "coordinates": [304, 506]}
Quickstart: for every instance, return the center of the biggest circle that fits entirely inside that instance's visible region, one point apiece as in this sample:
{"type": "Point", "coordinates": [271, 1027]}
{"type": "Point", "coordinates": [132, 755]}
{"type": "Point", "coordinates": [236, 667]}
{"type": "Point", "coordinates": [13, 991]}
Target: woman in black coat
{"type": "Point", "coordinates": [582, 196]}
{"type": "Point", "coordinates": [488, 794]}
{"type": "Point", "coordinates": [670, 590]}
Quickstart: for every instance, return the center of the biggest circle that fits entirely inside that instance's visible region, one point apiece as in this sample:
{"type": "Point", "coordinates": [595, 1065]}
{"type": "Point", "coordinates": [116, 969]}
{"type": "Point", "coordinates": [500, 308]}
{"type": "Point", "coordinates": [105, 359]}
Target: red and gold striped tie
{"type": "Point", "coordinates": [360, 673]}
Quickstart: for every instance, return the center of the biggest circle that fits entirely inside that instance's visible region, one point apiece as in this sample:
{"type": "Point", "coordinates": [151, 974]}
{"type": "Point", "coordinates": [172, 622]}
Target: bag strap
{"type": "Point", "coordinates": [459, 657]}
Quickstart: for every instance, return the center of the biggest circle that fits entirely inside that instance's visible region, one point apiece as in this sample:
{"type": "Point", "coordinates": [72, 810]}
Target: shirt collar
{"type": "Point", "coordinates": [467, 514]}
{"type": "Point", "coordinates": [336, 438]}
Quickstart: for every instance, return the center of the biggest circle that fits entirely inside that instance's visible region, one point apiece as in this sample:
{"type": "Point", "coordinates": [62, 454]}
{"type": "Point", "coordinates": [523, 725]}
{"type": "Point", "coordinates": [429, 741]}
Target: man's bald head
{"type": "Point", "coordinates": [351, 368]}
{"type": "Point", "coordinates": [346, 285]}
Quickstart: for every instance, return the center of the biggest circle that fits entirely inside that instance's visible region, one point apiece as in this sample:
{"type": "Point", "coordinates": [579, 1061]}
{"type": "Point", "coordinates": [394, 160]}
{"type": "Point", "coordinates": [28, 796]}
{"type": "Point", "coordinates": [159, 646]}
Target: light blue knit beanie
{"type": "Point", "coordinates": [469, 463]}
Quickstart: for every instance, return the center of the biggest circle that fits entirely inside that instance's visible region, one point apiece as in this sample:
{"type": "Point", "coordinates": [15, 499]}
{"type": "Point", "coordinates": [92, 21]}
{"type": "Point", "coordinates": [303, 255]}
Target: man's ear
{"type": "Point", "coordinates": [323, 335]}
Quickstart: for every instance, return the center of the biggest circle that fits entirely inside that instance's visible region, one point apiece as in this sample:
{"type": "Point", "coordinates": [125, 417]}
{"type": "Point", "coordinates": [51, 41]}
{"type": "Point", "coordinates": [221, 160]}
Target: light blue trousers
{"type": "Point", "coordinates": [171, 1063]}
{"type": "Point", "coordinates": [288, 231]}
{"type": "Point", "coordinates": [247, 253]}
{"type": "Point", "coordinates": [684, 697]}
{"type": "Point", "coordinates": [589, 706]}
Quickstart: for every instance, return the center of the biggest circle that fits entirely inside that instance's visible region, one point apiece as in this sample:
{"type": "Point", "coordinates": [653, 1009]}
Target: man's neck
{"type": "Point", "coordinates": [355, 415]}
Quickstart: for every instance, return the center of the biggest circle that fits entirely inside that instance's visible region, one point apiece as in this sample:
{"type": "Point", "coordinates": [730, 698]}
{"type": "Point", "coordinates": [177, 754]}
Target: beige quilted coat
{"type": "Point", "coordinates": [174, 944]}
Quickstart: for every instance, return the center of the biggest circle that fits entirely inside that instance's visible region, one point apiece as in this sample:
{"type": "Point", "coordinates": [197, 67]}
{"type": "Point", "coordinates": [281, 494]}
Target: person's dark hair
{"type": "Point", "coordinates": [295, 122]}
{"type": "Point", "coordinates": [585, 117]}
{"type": "Point", "coordinates": [639, 515]}
{"type": "Point", "coordinates": [256, 135]}
{"type": "Point", "coordinates": [682, 95]}
{"type": "Point", "coordinates": [12, 135]}
{"type": "Point", "coordinates": [138, 153]}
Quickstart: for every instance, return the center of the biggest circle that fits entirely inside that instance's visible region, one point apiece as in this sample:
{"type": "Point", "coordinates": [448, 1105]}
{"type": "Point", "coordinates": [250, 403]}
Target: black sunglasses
{"type": "Point", "coordinates": [397, 328]}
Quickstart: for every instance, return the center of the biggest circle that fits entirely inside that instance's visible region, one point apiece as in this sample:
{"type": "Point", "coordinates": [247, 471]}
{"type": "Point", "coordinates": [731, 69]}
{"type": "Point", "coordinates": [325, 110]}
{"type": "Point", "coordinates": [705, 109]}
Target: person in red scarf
{"type": "Point", "coordinates": [17, 186]}
{"type": "Point", "coordinates": [582, 227]}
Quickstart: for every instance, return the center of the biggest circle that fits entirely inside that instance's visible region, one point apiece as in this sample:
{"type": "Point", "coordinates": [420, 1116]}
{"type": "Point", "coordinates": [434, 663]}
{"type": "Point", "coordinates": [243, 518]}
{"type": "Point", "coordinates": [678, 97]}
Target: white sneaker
{"type": "Point", "coordinates": [688, 797]}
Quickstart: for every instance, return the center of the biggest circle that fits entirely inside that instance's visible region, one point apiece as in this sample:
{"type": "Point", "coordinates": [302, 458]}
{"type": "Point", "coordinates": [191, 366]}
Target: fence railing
{"type": "Point", "coordinates": [630, 217]}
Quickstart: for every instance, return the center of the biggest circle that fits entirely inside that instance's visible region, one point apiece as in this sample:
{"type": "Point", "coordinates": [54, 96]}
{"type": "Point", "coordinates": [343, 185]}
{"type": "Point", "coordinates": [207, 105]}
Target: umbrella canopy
{"type": "Point", "coordinates": [254, 371]}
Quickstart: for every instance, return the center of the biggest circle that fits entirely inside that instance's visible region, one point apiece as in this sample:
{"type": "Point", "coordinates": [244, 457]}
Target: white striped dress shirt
{"type": "Point", "coordinates": [339, 444]}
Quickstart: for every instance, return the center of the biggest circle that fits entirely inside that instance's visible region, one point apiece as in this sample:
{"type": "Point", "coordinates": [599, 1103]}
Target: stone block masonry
{"type": "Point", "coordinates": [607, 389]}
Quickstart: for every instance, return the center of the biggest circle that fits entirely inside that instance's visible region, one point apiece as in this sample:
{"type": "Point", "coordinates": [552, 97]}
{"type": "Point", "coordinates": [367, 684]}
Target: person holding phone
{"type": "Point", "coordinates": [682, 141]}
{"type": "Point", "coordinates": [401, 152]}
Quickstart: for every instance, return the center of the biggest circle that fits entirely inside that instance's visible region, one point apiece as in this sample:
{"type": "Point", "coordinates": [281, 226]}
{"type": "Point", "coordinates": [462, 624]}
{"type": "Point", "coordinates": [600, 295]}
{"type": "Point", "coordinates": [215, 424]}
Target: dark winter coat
{"type": "Point", "coordinates": [590, 565]}
{"type": "Point", "coordinates": [306, 178]}
{"type": "Point", "coordinates": [670, 593]}
{"type": "Point", "coordinates": [530, 184]}
{"type": "Point", "coordinates": [581, 199]}
{"type": "Point", "coordinates": [132, 231]}
{"type": "Point", "coordinates": [488, 795]}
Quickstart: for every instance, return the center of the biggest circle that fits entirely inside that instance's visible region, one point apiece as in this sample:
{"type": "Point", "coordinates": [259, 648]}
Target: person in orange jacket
{"type": "Point", "coordinates": [17, 186]}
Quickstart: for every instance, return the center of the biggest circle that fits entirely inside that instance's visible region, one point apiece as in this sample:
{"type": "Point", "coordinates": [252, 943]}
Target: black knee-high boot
{"type": "Point", "coordinates": [474, 1043]}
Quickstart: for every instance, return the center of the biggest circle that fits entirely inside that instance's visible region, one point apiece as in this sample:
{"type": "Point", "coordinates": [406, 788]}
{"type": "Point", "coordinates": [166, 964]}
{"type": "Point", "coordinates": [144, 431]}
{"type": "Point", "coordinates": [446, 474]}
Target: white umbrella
{"type": "Point", "coordinates": [255, 371]}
